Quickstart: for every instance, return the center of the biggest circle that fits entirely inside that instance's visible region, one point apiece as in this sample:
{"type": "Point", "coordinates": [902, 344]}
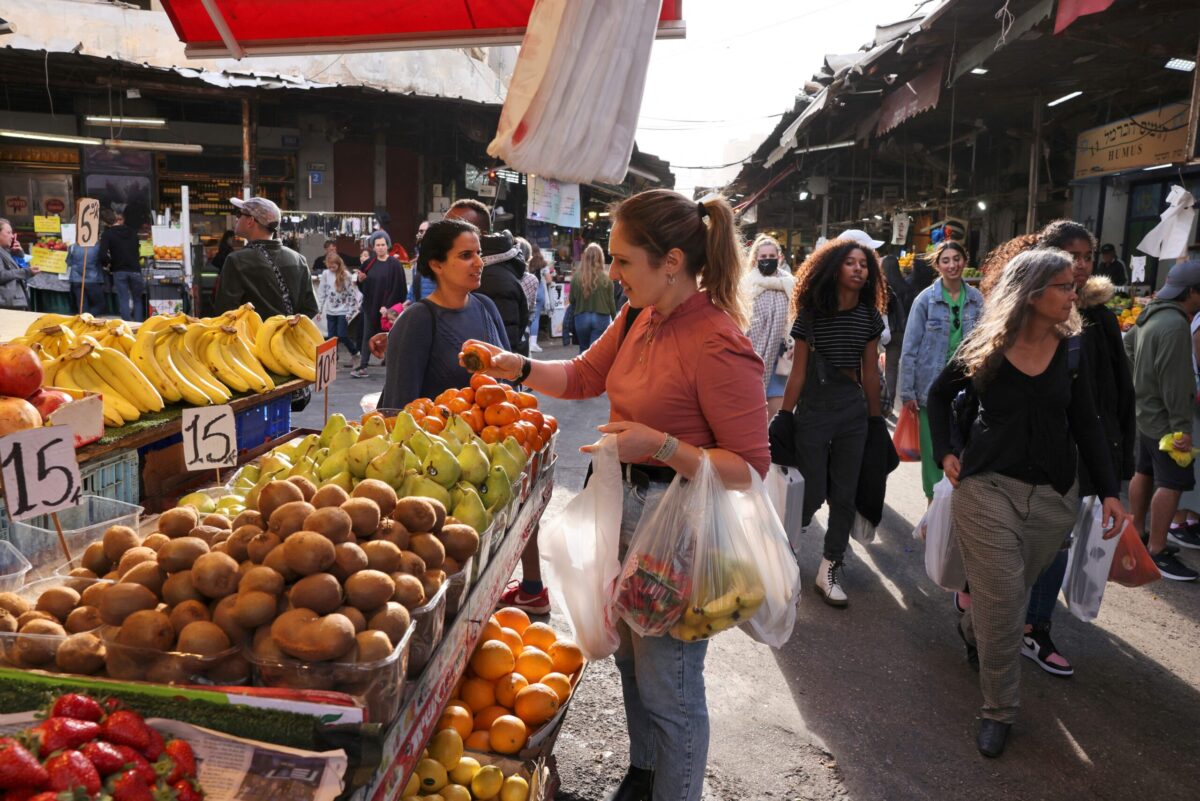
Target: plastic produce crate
{"type": "Point", "coordinates": [116, 477]}
{"type": "Point", "coordinates": [37, 539]}
{"type": "Point", "coordinates": [263, 423]}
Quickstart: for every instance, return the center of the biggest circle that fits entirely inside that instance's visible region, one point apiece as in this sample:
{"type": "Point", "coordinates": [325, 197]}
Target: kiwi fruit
{"type": "Point", "coordinates": [392, 531]}
{"type": "Point", "coordinates": [277, 561]}
{"type": "Point", "coordinates": [215, 575]}
{"type": "Point", "coordinates": [249, 517]}
{"type": "Point", "coordinates": [83, 618]}
{"type": "Point", "coordinates": [178, 522]}
{"type": "Point", "coordinates": [307, 552]}
{"type": "Point", "coordinates": [90, 595]}
{"type": "Point", "coordinates": [125, 664]}
{"type": "Point", "coordinates": [180, 554]}
{"type": "Point", "coordinates": [332, 522]}
{"type": "Point", "coordinates": [222, 615]}
{"type": "Point", "coordinates": [217, 520]}
{"type": "Point", "coordinates": [210, 534]}
{"type": "Point", "coordinates": [35, 651]}
{"type": "Point", "coordinates": [415, 514]}
{"type": "Point", "coordinates": [155, 541]}
{"type": "Point", "coordinates": [289, 518]}
{"type": "Point", "coordinates": [261, 579]}
{"type": "Point", "coordinates": [202, 638]}
{"type": "Point", "coordinates": [34, 614]}
{"type": "Point", "coordinates": [233, 669]}
{"type": "Point", "coordinates": [187, 612]}
{"type": "Point", "coordinates": [349, 558]}
{"type": "Point", "coordinates": [369, 589]}
{"type": "Point", "coordinates": [410, 563]}
{"type": "Point", "coordinates": [410, 592]}
{"type": "Point", "coordinates": [382, 555]}
{"type": "Point", "coordinates": [170, 669]}
{"type": "Point", "coordinates": [355, 616]}
{"type": "Point", "coordinates": [378, 491]}
{"type": "Point", "coordinates": [222, 536]}
{"type": "Point", "coordinates": [58, 601]}
{"type": "Point", "coordinates": [307, 488]}
{"type": "Point", "coordinates": [8, 621]}
{"type": "Point", "coordinates": [82, 652]}
{"type": "Point", "coordinates": [119, 601]}
{"type": "Point", "coordinates": [96, 560]}
{"type": "Point", "coordinates": [329, 495]}
{"type": "Point", "coordinates": [149, 574]}
{"type": "Point", "coordinates": [79, 578]}
{"type": "Point", "coordinates": [319, 592]}
{"type": "Point", "coordinates": [393, 620]}
{"type": "Point", "coordinates": [149, 629]}
{"type": "Point", "coordinates": [364, 513]}
{"type": "Point", "coordinates": [179, 588]}
{"type": "Point", "coordinates": [450, 566]}
{"type": "Point", "coordinates": [262, 544]}
{"type": "Point", "coordinates": [13, 603]}
{"type": "Point", "coordinates": [439, 515]}
{"type": "Point", "coordinates": [275, 494]}
{"type": "Point", "coordinates": [429, 548]}
{"type": "Point", "coordinates": [432, 581]}
{"type": "Point", "coordinates": [372, 646]}
{"type": "Point", "coordinates": [254, 608]}
{"type": "Point", "coordinates": [460, 540]}
{"type": "Point", "coordinates": [238, 544]}
{"type": "Point", "coordinates": [135, 556]}
{"type": "Point", "coordinates": [117, 540]}
{"type": "Point", "coordinates": [219, 547]}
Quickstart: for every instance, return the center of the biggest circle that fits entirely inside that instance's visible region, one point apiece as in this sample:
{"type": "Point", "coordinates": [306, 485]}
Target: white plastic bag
{"type": "Point", "coordinates": [776, 564]}
{"type": "Point", "coordinates": [943, 562]}
{"type": "Point", "coordinates": [1088, 562]}
{"type": "Point", "coordinates": [785, 487]}
{"type": "Point", "coordinates": [579, 551]}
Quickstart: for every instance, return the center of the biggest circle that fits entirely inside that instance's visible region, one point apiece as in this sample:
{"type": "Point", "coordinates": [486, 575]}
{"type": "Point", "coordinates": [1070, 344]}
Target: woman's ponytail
{"type": "Point", "coordinates": [724, 263]}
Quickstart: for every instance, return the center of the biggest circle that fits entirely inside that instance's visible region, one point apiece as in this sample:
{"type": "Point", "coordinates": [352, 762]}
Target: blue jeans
{"type": "Point", "coordinates": [588, 328]}
{"type": "Point", "coordinates": [130, 287]}
{"type": "Point", "coordinates": [662, 680]}
{"type": "Point", "coordinates": [1044, 594]}
{"type": "Point", "coordinates": [338, 326]}
{"type": "Point", "coordinates": [538, 307]}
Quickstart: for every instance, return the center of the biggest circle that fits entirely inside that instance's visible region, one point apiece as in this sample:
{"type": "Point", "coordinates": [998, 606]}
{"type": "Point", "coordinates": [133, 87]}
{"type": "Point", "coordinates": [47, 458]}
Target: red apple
{"type": "Point", "coordinates": [20, 370]}
{"type": "Point", "coordinates": [47, 400]}
{"type": "Point", "coordinates": [17, 414]}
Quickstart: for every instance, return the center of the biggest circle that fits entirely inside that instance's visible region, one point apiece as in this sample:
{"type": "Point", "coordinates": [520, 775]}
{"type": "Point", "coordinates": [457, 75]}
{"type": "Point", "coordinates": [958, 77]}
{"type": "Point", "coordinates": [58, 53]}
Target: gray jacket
{"type": "Point", "coordinates": [12, 283]}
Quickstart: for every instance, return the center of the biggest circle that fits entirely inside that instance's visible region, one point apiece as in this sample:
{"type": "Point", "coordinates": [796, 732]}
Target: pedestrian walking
{"type": "Point", "coordinates": [1015, 481]}
{"type": "Point", "coordinates": [382, 283]}
{"type": "Point", "coordinates": [545, 275]}
{"type": "Point", "coordinates": [592, 297]}
{"type": "Point", "coordinates": [275, 278]}
{"type": "Point", "coordinates": [834, 387]}
{"type": "Point", "coordinates": [338, 299]}
{"type": "Point", "coordinates": [91, 290]}
{"type": "Point", "coordinates": [1160, 347]}
{"type": "Point", "coordinates": [942, 315]}
{"type": "Point", "coordinates": [120, 255]}
{"type": "Point", "coordinates": [768, 286]}
{"type": "Point", "coordinates": [682, 379]}
{"type": "Point", "coordinates": [531, 282]}
{"type": "Point", "coordinates": [13, 294]}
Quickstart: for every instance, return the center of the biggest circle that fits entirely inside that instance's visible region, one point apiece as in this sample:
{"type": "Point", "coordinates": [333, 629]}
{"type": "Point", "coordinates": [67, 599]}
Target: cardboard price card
{"type": "Point", "coordinates": [209, 438]}
{"type": "Point", "coordinates": [39, 472]}
{"type": "Point", "coordinates": [47, 260]}
{"type": "Point", "coordinates": [326, 363]}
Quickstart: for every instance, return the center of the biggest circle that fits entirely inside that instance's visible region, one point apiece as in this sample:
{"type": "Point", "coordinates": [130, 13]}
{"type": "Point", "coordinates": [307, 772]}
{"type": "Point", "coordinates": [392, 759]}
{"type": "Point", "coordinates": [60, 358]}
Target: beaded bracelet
{"type": "Point", "coordinates": [667, 449]}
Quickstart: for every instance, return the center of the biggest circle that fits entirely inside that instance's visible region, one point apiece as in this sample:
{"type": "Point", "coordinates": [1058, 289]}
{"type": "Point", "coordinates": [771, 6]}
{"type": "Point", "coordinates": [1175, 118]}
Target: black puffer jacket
{"type": "Point", "coordinates": [501, 281]}
{"type": "Point", "coordinates": [1109, 377]}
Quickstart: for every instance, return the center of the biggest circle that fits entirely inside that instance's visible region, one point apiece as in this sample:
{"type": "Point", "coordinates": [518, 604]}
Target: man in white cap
{"type": "Point", "coordinates": [274, 278]}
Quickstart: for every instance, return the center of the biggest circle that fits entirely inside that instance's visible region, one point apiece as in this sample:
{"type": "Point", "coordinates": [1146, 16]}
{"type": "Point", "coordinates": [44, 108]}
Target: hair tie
{"type": "Point", "coordinates": [701, 210]}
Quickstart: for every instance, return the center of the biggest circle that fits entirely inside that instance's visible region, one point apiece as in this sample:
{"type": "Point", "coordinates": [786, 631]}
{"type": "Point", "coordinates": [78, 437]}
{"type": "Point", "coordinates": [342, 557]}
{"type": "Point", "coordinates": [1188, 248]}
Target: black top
{"type": "Point", "coordinates": [840, 337]}
{"type": "Point", "coordinates": [384, 287]}
{"type": "Point", "coordinates": [1115, 272]}
{"type": "Point", "coordinates": [248, 277]}
{"type": "Point", "coordinates": [119, 249]}
{"type": "Point", "coordinates": [1028, 427]}
{"type": "Point", "coordinates": [1112, 390]}
{"type": "Point", "coordinates": [501, 281]}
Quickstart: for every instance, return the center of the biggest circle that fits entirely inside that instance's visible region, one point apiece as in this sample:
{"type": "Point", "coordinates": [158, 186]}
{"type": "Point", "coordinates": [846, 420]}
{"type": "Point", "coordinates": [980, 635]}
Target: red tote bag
{"type": "Point", "coordinates": [907, 437]}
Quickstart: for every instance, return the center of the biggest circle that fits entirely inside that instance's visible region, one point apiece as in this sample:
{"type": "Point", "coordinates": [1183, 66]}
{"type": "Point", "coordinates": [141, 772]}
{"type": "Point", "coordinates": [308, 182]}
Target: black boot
{"type": "Point", "coordinates": [638, 785]}
{"type": "Point", "coordinates": [992, 736]}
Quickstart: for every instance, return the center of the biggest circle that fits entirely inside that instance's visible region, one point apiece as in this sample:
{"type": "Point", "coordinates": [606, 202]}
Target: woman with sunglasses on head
{"type": "Point", "coordinates": [1016, 496]}
{"type": "Point", "coordinates": [941, 317]}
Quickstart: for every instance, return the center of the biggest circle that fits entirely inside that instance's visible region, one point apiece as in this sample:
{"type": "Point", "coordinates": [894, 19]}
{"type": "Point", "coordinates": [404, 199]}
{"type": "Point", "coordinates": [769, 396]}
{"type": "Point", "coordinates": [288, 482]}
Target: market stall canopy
{"type": "Point", "coordinates": [239, 28]}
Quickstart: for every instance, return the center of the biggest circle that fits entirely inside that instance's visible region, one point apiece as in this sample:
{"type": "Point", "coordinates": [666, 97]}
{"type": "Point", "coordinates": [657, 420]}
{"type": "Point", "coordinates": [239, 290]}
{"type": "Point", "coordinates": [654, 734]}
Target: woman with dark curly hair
{"type": "Point", "coordinates": [834, 387]}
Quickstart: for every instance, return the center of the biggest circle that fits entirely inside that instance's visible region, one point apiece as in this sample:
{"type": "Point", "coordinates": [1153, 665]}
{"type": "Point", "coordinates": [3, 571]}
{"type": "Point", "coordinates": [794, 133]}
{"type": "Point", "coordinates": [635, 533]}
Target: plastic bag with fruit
{"type": "Point", "coordinates": [580, 559]}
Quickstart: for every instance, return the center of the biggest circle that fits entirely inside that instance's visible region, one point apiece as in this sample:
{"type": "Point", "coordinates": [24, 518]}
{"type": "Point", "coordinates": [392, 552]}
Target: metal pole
{"type": "Point", "coordinates": [825, 215]}
{"type": "Point", "coordinates": [247, 189]}
{"type": "Point", "coordinates": [1193, 123]}
{"type": "Point", "coordinates": [1035, 148]}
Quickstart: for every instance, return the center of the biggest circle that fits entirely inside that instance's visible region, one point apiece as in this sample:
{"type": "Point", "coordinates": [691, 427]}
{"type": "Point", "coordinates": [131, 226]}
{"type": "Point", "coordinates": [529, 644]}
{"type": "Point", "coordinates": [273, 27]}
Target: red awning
{"type": "Point", "coordinates": [238, 28]}
{"type": "Point", "coordinates": [919, 94]}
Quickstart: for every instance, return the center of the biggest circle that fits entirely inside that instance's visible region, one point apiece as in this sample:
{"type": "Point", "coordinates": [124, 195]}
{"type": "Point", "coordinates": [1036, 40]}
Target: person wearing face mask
{"type": "Point", "coordinates": [941, 317]}
{"type": "Point", "coordinates": [768, 285]}
{"type": "Point", "coordinates": [381, 280]}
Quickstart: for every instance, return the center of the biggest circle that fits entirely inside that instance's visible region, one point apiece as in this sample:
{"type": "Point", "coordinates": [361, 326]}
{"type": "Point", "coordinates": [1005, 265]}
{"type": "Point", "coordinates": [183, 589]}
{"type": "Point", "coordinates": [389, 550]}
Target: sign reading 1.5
{"type": "Point", "coordinates": [209, 438]}
{"type": "Point", "coordinates": [39, 471]}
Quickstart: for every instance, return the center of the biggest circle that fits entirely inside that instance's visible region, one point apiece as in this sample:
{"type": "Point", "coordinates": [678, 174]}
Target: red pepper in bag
{"type": "Point", "coordinates": [1132, 565]}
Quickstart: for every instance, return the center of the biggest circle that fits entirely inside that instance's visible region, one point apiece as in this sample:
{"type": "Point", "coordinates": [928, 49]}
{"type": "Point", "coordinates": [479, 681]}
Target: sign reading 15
{"type": "Point", "coordinates": [39, 471]}
{"type": "Point", "coordinates": [209, 438]}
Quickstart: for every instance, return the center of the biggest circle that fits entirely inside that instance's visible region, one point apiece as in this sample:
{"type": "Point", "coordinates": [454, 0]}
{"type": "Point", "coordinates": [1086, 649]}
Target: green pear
{"type": "Point", "coordinates": [303, 467]}
{"type": "Point", "coordinates": [407, 484]}
{"type": "Point", "coordinates": [200, 501]}
{"type": "Point", "coordinates": [425, 487]}
{"type": "Point", "coordinates": [503, 459]}
{"type": "Point", "coordinates": [274, 463]}
{"type": "Point", "coordinates": [362, 452]}
{"type": "Point", "coordinates": [518, 453]}
{"type": "Point", "coordinates": [249, 472]}
{"type": "Point", "coordinates": [474, 463]}
{"type": "Point", "coordinates": [343, 480]}
{"type": "Point", "coordinates": [343, 439]}
{"type": "Point", "coordinates": [497, 490]}
{"type": "Point", "coordinates": [411, 460]}
{"type": "Point", "coordinates": [453, 443]}
{"type": "Point", "coordinates": [420, 443]}
{"type": "Point", "coordinates": [334, 464]}
{"type": "Point", "coordinates": [460, 429]}
{"type": "Point", "coordinates": [404, 427]}
{"type": "Point", "coordinates": [469, 509]}
{"type": "Point", "coordinates": [334, 424]}
{"type": "Point", "coordinates": [440, 465]}
{"type": "Point", "coordinates": [388, 466]}
{"type": "Point", "coordinates": [306, 447]}
{"type": "Point", "coordinates": [373, 427]}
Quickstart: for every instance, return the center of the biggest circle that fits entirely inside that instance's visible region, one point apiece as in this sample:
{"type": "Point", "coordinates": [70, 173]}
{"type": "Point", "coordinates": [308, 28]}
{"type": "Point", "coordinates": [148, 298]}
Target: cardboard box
{"type": "Point", "coordinates": [85, 415]}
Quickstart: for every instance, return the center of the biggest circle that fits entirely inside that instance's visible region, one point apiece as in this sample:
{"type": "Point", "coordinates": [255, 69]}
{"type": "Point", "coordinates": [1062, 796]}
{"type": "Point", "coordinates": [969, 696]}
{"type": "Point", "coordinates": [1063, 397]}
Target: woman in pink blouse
{"type": "Point", "coordinates": [681, 379]}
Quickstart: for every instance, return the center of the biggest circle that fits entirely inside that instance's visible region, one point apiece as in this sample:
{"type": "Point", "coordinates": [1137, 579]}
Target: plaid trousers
{"type": "Point", "coordinates": [1009, 532]}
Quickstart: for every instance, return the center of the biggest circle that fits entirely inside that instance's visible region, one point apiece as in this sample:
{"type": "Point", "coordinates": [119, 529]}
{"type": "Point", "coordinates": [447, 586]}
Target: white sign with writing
{"type": "Point", "coordinates": [553, 202]}
{"type": "Point", "coordinates": [87, 222]}
{"type": "Point", "coordinates": [326, 363]}
{"type": "Point", "coordinates": [39, 471]}
{"type": "Point", "coordinates": [209, 438]}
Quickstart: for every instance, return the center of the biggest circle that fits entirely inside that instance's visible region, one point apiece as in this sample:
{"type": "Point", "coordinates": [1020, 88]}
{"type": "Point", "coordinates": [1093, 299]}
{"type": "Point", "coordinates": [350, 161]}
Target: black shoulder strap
{"type": "Point", "coordinates": [631, 315]}
{"type": "Point", "coordinates": [429, 304]}
{"type": "Point", "coordinates": [1074, 349]}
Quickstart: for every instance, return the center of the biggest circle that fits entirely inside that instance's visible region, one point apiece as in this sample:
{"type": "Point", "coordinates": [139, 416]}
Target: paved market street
{"type": "Point", "coordinates": [877, 701]}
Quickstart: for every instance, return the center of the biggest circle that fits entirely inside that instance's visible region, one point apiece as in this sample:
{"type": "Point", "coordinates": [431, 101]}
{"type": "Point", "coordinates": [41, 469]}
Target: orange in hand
{"type": "Point", "coordinates": [501, 414]}
{"type": "Point", "coordinates": [475, 358]}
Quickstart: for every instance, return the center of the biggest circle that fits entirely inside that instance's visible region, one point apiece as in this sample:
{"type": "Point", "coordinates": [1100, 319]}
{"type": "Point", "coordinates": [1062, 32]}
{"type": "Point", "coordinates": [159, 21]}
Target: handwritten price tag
{"type": "Point", "coordinates": [326, 363]}
{"type": "Point", "coordinates": [39, 471]}
{"type": "Point", "coordinates": [87, 222]}
{"type": "Point", "coordinates": [209, 438]}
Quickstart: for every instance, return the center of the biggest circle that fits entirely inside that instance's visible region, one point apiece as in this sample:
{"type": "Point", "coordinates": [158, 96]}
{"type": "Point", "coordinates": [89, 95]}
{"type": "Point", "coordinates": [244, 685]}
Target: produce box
{"type": "Point", "coordinates": [429, 621]}
{"type": "Point", "coordinates": [457, 586]}
{"type": "Point", "coordinates": [541, 742]}
{"type": "Point", "coordinates": [533, 771]}
{"type": "Point", "coordinates": [13, 567]}
{"type": "Point", "coordinates": [82, 525]}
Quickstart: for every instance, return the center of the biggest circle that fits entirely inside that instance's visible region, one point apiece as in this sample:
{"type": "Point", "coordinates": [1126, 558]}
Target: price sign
{"type": "Point", "coordinates": [209, 438]}
{"type": "Point", "coordinates": [326, 363]}
{"type": "Point", "coordinates": [39, 471]}
{"type": "Point", "coordinates": [87, 222]}
{"type": "Point", "coordinates": [47, 224]}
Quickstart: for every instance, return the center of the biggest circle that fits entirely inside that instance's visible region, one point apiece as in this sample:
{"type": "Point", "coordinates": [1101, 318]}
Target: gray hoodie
{"type": "Point", "coordinates": [1160, 348]}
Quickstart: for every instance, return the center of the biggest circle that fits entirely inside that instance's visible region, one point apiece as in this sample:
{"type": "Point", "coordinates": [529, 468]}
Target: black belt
{"type": "Point", "coordinates": [642, 475]}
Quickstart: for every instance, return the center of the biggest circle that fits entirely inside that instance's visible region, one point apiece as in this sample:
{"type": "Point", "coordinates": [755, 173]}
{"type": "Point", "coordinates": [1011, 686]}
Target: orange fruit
{"type": "Point", "coordinates": [492, 660]}
{"type": "Point", "coordinates": [508, 735]}
{"type": "Point", "coordinates": [501, 414]}
{"type": "Point", "coordinates": [474, 418]}
{"type": "Point", "coordinates": [512, 639]}
{"type": "Point", "coordinates": [478, 694]}
{"type": "Point", "coordinates": [486, 716]}
{"type": "Point", "coordinates": [458, 405]}
{"type": "Point", "coordinates": [478, 741]}
{"type": "Point", "coordinates": [458, 718]}
{"type": "Point", "coordinates": [510, 395]}
{"type": "Point", "coordinates": [531, 431]}
{"type": "Point", "coordinates": [533, 664]}
{"type": "Point", "coordinates": [526, 400]}
{"type": "Point", "coordinates": [467, 394]}
{"type": "Point", "coordinates": [507, 688]}
{"type": "Point", "coordinates": [446, 397]}
{"type": "Point", "coordinates": [566, 656]}
{"type": "Point", "coordinates": [560, 684]}
{"type": "Point", "coordinates": [443, 410]}
{"type": "Point", "coordinates": [533, 416]}
{"type": "Point", "coordinates": [491, 630]}
{"type": "Point", "coordinates": [540, 636]}
{"type": "Point", "coordinates": [481, 380]}
{"type": "Point", "coordinates": [433, 423]}
{"type": "Point", "coordinates": [551, 421]}
{"type": "Point", "coordinates": [489, 394]}
{"type": "Point", "coordinates": [511, 430]}
{"type": "Point", "coordinates": [512, 618]}
{"type": "Point", "coordinates": [536, 704]}
{"type": "Point", "coordinates": [547, 432]}
{"type": "Point", "coordinates": [490, 434]}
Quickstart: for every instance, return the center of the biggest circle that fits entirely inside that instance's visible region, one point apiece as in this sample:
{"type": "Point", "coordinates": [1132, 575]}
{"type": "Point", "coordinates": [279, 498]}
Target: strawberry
{"type": "Point", "coordinates": [129, 786]}
{"type": "Point", "coordinates": [107, 757]}
{"type": "Point", "coordinates": [57, 734]}
{"type": "Point", "coordinates": [20, 794]}
{"type": "Point", "coordinates": [80, 707]}
{"type": "Point", "coordinates": [155, 749]}
{"type": "Point", "coordinates": [133, 760]}
{"type": "Point", "coordinates": [18, 767]}
{"type": "Point", "coordinates": [71, 769]}
{"type": "Point", "coordinates": [126, 728]}
{"type": "Point", "coordinates": [183, 761]}
{"type": "Point", "coordinates": [187, 790]}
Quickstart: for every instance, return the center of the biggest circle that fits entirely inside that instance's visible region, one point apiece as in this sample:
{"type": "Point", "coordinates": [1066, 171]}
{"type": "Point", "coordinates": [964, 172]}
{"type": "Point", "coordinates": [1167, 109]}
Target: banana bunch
{"type": "Point", "coordinates": [49, 341]}
{"type": "Point", "coordinates": [165, 345]}
{"type": "Point", "coordinates": [244, 318]}
{"type": "Point", "coordinates": [116, 334]}
{"type": "Point", "coordinates": [737, 605]}
{"type": "Point", "coordinates": [125, 392]}
{"type": "Point", "coordinates": [288, 345]}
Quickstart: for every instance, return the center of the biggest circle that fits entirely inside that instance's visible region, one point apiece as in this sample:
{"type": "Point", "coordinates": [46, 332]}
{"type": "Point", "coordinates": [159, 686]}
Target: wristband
{"type": "Point", "coordinates": [526, 366]}
{"type": "Point", "coordinates": [667, 449]}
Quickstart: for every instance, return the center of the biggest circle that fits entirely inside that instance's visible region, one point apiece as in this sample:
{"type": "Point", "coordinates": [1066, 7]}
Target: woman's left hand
{"type": "Point", "coordinates": [635, 442]}
{"type": "Point", "coordinates": [1113, 517]}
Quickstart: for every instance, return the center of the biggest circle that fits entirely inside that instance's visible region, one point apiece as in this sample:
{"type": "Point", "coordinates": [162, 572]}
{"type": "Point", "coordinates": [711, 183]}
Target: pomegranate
{"type": "Point", "coordinates": [20, 371]}
{"type": "Point", "coordinates": [17, 414]}
{"type": "Point", "coordinates": [47, 400]}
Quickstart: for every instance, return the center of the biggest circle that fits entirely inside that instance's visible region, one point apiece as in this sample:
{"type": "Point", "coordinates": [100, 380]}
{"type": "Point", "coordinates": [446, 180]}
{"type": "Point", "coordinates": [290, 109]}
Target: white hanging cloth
{"type": "Point", "coordinates": [1169, 239]}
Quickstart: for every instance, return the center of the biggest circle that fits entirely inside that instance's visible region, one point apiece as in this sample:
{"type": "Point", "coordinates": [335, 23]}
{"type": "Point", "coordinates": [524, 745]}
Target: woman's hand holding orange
{"type": "Point", "coordinates": [503, 364]}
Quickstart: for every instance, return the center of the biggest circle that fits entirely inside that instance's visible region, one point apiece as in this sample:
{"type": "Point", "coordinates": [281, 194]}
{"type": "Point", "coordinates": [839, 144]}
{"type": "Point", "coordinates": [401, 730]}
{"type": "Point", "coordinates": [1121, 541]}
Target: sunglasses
{"type": "Point", "coordinates": [956, 311]}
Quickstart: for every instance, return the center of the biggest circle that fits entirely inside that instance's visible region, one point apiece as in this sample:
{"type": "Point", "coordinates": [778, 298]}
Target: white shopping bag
{"type": "Point", "coordinates": [943, 561]}
{"type": "Point", "coordinates": [579, 551]}
{"type": "Point", "coordinates": [1088, 562]}
{"type": "Point", "coordinates": [785, 487]}
{"type": "Point", "coordinates": [777, 565]}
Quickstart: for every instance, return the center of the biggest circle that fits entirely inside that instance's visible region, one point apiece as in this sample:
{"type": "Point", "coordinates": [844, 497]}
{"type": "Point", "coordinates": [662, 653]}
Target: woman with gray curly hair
{"type": "Point", "coordinates": [1024, 373]}
{"type": "Point", "coordinates": [382, 283]}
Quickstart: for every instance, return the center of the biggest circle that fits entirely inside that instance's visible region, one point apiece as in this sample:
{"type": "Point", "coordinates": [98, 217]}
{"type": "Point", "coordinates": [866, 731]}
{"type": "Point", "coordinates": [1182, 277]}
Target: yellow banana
{"type": "Point", "coordinates": [310, 330]}
{"type": "Point", "coordinates": [197, 373]}
{"type": "Point", "coordinates": [155, 323]}
{"type": "Point", "coordinates": [123, 374]}
{"type": "Point", "coordinates": [214, 358]}
{"type": "Point", "coordinates": [190, 393]}
{"type": "Point", "coordinates": [116, 406]}
{"type": "Point", "coordinates": [262, 344]}
{"type": "Point", "coordinates": [141, 353]}
{"type": "Point", "coordinates": [56, 339]}
{"type": "Point", "coordinates": [286, 349]}
{"type": "Point", "coordinates": [242, 356]}
{"type": "Point", "coordinates": [251, 321]}
{"type": "Point", "coordinates": [47, 320]}
{"type": "Point", "coordinates": [50, 371]}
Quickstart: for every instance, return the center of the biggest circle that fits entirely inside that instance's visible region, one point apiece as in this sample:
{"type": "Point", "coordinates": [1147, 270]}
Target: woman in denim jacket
{"type": "Point", "coordinates": [941, 317]}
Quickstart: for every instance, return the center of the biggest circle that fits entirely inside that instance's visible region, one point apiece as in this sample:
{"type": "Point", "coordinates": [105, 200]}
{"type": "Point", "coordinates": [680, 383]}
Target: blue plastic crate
{"type": "Point", "coordinates": [116, 477]}
{"type": "Point", "coordinates": [263, 423]}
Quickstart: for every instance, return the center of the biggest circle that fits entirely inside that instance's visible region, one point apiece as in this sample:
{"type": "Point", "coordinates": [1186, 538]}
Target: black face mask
{"type": "Point", "coordinates": [768, 266]}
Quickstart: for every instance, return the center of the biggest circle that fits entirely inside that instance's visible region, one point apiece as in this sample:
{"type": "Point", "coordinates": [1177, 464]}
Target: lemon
{"type": "Point", "coordinates": [455, 792]}
{"type": "Point", "coordinates": [487, 782]}
{"type": "Point", "coordinates": [446, 747]}
{"type": "Point", "coordinates": [413, 787]}
{"type": "Point", "coordinates": [433, 775]}
{"type": "Point", "coordinates": [464, 771]}
{"type": "Point", "coordinates": [515, 789]}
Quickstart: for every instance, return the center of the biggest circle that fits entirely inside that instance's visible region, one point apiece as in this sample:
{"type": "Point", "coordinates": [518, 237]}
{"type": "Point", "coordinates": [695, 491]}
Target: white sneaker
{"type": "Point", "coordinates": [829, 583]}
{"type": "Point", "coordinates": [535, 347]}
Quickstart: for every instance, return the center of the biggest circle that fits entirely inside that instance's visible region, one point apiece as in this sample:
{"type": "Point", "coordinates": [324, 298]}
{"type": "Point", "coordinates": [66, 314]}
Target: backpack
{"type": "Point", "coordinates": [964, 409]}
